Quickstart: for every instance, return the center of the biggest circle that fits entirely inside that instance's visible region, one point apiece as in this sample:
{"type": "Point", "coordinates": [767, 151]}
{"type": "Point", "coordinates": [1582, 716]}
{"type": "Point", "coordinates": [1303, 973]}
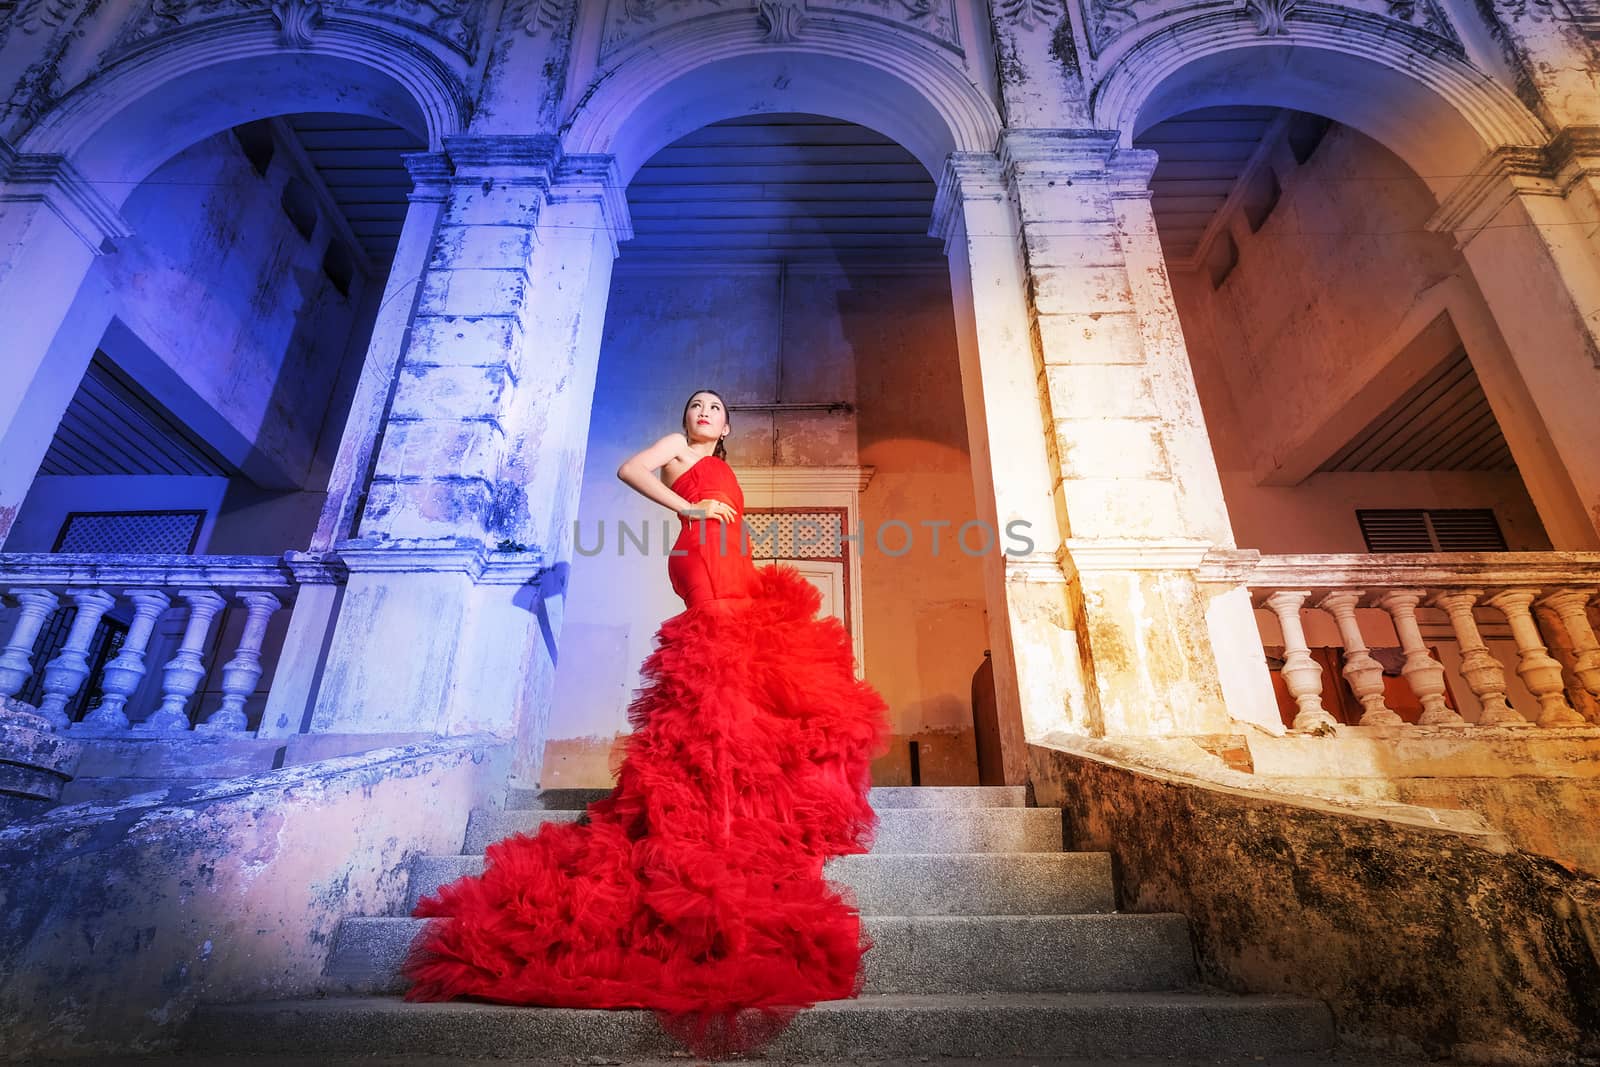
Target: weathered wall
{"type": "Point", "coordinates": [1317, 307]}
{"type": "Point", "coordinates": [256, 364]}
{"type": "Point", "coordinates": [1422, 929]}
{"type": "Point", "coordinates": [1541, 787]}
{"type": "Point", "coordinates": [119, 919]}
{"type": "Point", "coordinates": [883, 342]}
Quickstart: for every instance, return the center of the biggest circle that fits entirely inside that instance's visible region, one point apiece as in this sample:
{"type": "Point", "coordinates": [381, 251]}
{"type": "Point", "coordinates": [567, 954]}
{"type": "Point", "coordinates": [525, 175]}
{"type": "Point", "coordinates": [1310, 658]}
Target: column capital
{"type": "Point", "coordinates": [965, 176]}
{"type": "Point", "coordinates": [595, 177]}
{"type": "Point", "coordinates": [520, 158]}
{"type": "Point", "coordinates": [430, 176]}
{"type": "Point", "coordinates": [52, 180]}
{"type": "Point", "coordinates": [1551, 169]}
{"type": "Point", "coordinates": [1047, 154]}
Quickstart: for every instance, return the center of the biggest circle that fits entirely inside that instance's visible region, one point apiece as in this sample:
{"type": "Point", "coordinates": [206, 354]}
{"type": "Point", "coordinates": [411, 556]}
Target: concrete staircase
{"type": "Point", "coordinates": [990, 941]}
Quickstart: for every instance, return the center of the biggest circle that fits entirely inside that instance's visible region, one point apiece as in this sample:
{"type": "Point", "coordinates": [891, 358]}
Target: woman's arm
{"type": "Point", "coordinates": [636, 472]}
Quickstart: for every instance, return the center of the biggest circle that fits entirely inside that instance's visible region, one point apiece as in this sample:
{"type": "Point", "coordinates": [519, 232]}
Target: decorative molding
{"type": "Point", "coordinates": [408, 556]}
{"type": "Point", "coordinates": [430, 176]}
{"type": "Point", "coordinates": [536, 16]}
{"type": "Point", "coordinates": [1518, 170]}
{"type": "Point", "coordinates": [1382, 571]}
{"type": "Point", "coordinates": [1031, 14]}
{"type": "Point", "coordinates": [35, 15]}
{"type": "Point", "coordinates": [595, 177]}
{"type": "Point", "coordinates": [966, 176]}
{"type": "Point", "coordinates": [628, 22]}
{"type": "Point", "coordinates": [297, 21]}
{"type": "Point", "coordinates": [1271, 16]}
{"type": "Point", "coordinates": [1047, 155]}
{"type": "Point", "coordinates": [1091, 555]}
{"type": "Point", "coordinates": [526, 158]}
{"type": "Point", "coordinates": [1105, 21]}
{"type": "Point", "coordinates": [1036, 567]}
{"type": "Point", "coordinates": [54, 182]}
{"type": "Point", "coordinates": [783, 20]}
{"type": "Point", "coordinates": [456, 23]}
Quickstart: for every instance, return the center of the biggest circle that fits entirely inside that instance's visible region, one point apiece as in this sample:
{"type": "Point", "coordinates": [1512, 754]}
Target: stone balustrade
{"type": "Point", "coordinates": [1543, 607]}
{"type": "Point", "coordinates": [147, 594]}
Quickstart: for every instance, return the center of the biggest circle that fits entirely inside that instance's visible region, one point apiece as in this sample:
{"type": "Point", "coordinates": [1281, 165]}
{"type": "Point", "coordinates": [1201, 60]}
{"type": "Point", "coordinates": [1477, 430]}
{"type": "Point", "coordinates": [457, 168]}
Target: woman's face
{"type": "Point", "coordinates": [705, 420]}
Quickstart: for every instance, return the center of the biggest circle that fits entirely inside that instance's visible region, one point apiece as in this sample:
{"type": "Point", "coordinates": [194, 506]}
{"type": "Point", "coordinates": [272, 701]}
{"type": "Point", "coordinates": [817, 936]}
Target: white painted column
{"type": "Point", "coordinates": [1038, 676]}
{"type": "Point", "coordinates": [1526, 226]}
{"type": "Point", "coordinates": [65, 674]}
{"type": "Point", "coordinates": [52, 225]}
{"type": "Point", "coordinates": [352, 466]}
{"type": "Point", "coordinates": [439, 631]}
{"type": "Point", "coordinates": [186, 670]}
{"type": "Point", "coordinates": [241, 673]}
{"type": "Point", "coordinates": [1572, 607]}
{"type": "Point", "coordinates": [16, 661]}
{"type": "Point", "coordinates": [1136, 485]}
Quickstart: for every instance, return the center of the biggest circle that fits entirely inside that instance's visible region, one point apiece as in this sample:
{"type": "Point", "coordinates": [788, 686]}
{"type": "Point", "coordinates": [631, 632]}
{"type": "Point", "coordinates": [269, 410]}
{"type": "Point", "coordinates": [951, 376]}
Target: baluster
{"type": "Point", "coordinates": [1572, 606]}
{"type": "Point", "coordinates": [1301, 673]}
{"type": "Point", "coordinates": [184, 672]}
{"type": "Point", "coordinates": [1540, 673]}
{"type": "Point", "coordinates": [1423, 673]}
{"type": "Point", "coordinates": [16, 661]}
{"type": "Point", "coordinates": [64, 674]}
{"type": "Point", "coordinates": [1364, 673]}
{"type": "Point", "coordinates": [122, 675]}
{"type": "Point", "coordinates": [1484, 675]}
{"type": "Point", "coordinates": [243, 671]}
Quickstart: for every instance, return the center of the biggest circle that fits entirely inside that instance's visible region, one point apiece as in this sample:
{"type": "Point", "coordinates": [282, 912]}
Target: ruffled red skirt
{"type": "Point", "coordinates": [695, 887]}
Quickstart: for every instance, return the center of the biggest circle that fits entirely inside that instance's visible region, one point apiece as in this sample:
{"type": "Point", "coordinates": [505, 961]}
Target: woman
{"type": "Point", "coordinates": [695, 887]}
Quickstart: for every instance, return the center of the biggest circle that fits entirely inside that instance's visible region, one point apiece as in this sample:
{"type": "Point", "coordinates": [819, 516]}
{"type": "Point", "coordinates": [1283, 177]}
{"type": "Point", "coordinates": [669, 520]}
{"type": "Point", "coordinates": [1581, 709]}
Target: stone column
{"type": "Point", "coordinates": [52, 225]}
{"type": "Point", "coordinates": [1038, 676]}
{"type": "Point", "coordinates": [450, 616]}
{"type": "Point", "coordinates": [362, 428]}
{"type": "Point", "coordinates": [1137, 481]}
{"type": "Point", "coordinates": [1525, 224]}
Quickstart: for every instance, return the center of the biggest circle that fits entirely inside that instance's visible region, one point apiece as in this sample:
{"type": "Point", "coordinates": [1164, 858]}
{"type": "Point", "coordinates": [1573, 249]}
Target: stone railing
{"type": "Point", "coordinates": [1543, 599]}
{"type": "Point", "coordinates": [144, 591]}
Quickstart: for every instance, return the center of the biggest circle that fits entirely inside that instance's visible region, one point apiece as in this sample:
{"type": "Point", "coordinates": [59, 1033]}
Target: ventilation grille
{"type": "Point", "coordinates": [130, 532]}
{"type": "Point", "coordinates": [810, 534]}
{"type": "Point", "coordinates": [1419, 530]}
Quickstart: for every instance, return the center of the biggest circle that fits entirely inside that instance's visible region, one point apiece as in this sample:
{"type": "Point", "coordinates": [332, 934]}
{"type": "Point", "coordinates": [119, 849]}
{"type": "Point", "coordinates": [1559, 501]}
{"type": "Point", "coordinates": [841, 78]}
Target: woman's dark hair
{"type": "Point", "coordinates": [720, 452]}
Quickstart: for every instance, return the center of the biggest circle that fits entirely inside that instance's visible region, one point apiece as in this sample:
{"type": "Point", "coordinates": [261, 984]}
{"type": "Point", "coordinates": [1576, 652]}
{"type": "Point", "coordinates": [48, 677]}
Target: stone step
{"type": "Point", "coordinates": [900, 830]}
{"type": "Point", "coordinates": [974, 883]}
{"type": "Point", "coordinates": [911, 954]}
{"type": "Point", "coordinates": [885, 1026]}
{"type": "Point", "coordinates": [881, 796]}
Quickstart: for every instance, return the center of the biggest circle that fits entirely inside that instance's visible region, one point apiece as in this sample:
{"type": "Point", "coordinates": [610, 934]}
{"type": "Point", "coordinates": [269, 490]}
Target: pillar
{"type": "Point", "coordinates": [1136, 478]}
{"type": "Point", "coordinates": [52, 226]}
{"type": "Point", "coordinates": [450, 616]}
{"type": "Point", "coordinates": [1038, 675]}
{"type": "Point", "coordinates": [1525, 226]}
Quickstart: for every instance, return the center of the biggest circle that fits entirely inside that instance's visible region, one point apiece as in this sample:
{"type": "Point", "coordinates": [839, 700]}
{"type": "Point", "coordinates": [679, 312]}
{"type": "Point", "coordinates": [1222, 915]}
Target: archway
{"type": "Point", "coordinates": [833, 88]}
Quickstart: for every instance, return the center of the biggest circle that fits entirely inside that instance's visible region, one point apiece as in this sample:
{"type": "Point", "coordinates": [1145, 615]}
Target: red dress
{"type": "Point", "coordinates": [695, 887]}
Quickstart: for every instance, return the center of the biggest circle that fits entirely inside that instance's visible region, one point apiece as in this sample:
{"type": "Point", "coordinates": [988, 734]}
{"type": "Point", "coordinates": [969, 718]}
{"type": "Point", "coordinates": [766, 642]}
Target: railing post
{"type": "Point", "coordinates": [1538, 671]}
{"type": "Point", "coordinates": [1572, 607]}
{"type": "Point", "coordinates": [16, 661]}
{"type": "Point", "coordinates": [122, 675]}
{"type": "Point", "coordinates": [64, 674]}
{"type": "Point", "coordinates": [1364, 673]}
{"type": "Point", "coordinates": [1484, 675]}
{"type": "Point", "coordinates": [1424, 673]}
{"type": "Point", "coordinates": [243, 671]}
{"type": "Point", "coordinates": [1301, 673]}
{"type": "Point", "coordinates": [183, 673]}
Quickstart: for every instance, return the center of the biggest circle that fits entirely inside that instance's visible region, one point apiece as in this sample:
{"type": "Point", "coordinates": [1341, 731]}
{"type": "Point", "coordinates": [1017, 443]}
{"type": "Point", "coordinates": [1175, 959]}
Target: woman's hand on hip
{"type": "Point", "coordinates": [710, 508]}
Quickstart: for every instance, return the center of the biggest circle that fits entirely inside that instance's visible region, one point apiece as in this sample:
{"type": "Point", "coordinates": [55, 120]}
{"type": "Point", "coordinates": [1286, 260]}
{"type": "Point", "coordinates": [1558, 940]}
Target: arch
{"type": "Point", "coordinates": [718, 68]}
{"type": "Point", "coordinates": [122, 124]}
{"type": "Point", "coordinates": [1437, 113]}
